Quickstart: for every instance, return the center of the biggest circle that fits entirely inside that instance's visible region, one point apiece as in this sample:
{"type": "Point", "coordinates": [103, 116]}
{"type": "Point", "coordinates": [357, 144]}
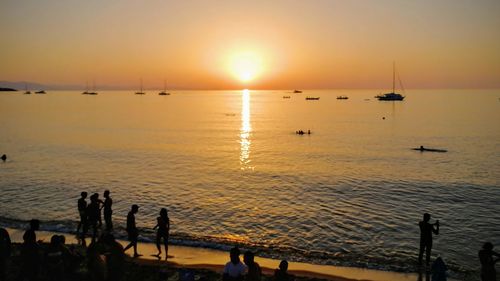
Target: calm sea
{"type": "Point", "coordinates": [230, 168]}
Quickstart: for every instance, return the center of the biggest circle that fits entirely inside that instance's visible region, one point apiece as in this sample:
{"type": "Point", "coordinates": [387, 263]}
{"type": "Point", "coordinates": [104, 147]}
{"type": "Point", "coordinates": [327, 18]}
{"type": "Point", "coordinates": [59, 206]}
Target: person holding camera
{"type": "Point", "coordinates": [426, 230]}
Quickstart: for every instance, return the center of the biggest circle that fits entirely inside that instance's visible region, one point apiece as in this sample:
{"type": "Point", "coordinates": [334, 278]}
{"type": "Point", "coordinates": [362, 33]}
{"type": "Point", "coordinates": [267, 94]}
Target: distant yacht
{"type": "Point", "coordinates": [40, 92]}
{"type": "Point", "coordinates": [164, 92]}
{"type": "Point", "coordinates": [93, 92]}
{"type": "Point", "coordinates": [297, 91]}
{"type": "Point", "coordinates": [342, 97]}
{"type": "Point", "coordinates": [391, 96]}
{"type": "Point", "coordinates": [312, 98]}
{"type": "Point", "coordinates": [26, 92]}
{"type": "Point", "coordinates": [140, 91]}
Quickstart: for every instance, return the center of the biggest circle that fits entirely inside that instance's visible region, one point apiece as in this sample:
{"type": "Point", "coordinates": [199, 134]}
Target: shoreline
{"type": "Point", "coordinates": [214, 260]}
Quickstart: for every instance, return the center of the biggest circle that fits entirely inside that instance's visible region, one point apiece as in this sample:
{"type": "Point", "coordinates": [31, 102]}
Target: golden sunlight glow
{"type": "Point", "coordinates": [246, 66]}
{"type": "Point", "coordinates": [245, 130]}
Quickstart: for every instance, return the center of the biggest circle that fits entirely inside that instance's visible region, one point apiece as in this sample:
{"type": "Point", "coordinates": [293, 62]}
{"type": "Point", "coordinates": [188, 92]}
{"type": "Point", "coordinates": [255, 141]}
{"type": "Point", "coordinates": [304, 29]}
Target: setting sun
{"type": "Point", "coordinates": [245, 66]}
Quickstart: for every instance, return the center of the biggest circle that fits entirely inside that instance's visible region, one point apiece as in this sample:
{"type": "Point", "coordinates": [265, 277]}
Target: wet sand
{"type": "Point", "coordinates": [202, 258]}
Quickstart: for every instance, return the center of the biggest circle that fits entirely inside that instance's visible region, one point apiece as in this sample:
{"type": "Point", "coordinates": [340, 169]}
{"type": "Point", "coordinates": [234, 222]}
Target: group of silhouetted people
{"type": "Point", "coordinates": [90, 217]}
{"type": "Point", "coordinates": [249, 270]}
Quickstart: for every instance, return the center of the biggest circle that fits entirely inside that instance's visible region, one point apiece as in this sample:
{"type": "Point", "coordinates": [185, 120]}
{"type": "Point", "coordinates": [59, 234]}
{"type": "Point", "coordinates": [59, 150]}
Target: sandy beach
{"type": "Point", "coordinates": [214, 260]}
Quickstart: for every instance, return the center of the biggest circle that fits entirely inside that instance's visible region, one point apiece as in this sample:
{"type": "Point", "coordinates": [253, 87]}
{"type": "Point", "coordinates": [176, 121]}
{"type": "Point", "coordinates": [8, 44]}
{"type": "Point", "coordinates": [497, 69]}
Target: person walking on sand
{"type": "Point", "coordinates": [108, 212]}
{"type": "Point", "coordinates": [82, 210]}
{"type": "Point", "coordinates": [488, 272]}
{"type": "Point", "coordinates": [426, 230]}
{"type": "Point", "coordinates": [234, 270]}
{"type": "Point", "coordinates": [163, 225]}
{"type": "Point", "coordinates": [132, 231]}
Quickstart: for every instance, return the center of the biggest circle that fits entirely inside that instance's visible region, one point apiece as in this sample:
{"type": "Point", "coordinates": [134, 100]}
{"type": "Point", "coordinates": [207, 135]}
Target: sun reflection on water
{"type": "Point", "coordinates": [245, 131]}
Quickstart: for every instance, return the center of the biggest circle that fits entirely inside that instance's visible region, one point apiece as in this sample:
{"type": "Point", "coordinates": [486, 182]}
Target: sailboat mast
{"type": "Point", "coordinates": [393, 76]}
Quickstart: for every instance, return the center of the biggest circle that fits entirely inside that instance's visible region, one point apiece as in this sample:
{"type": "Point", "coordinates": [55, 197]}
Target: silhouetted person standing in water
{"type": "Point", "coordinates": [108, 212]}
{"type": "Point", "coordinates": [132, 231]}
{"type": "Point", "coordinates": [426, 230]}
{"type": "Point", "coordinates": [5, 250]}
{"type": "Point", "coordinates": [488, 272]}
{"type": "Point", "coordinates": [82, 210]}
{"type": "Point", "coordinates": [93, 214]}
{"type": "Point", "coordinates": [163, 225]}
{"type": "Point", "coordinates": [234, 270]}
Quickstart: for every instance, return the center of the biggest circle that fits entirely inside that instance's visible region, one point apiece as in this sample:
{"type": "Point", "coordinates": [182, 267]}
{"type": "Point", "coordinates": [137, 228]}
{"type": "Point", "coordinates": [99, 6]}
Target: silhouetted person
{"type": "Point", "coordinates": [93, 211]}
{"type": "Point", "coordinates": [488, 272]}
{"type": "Point", "coordinates": [308, 132]}
{"type": "Point", "coordinates": [4, 158]}
{"type": "Point", "coordinates": [95, 264]}
{"type": "Point", "coordinates": [54, 259]}
{"type": "Point", "coordinates": [108, 212]}
{"type": "Point", "coordinates": [426, 230]}
{"type": "Point", "coordinates": [5, 251]}
{"type": "Point", "coordinates": [281, 274]}
{"type": "Point", "coordinates": [132, 231]}
{"type": "Point", "coordinates": [30, 233]}
{"type": "Point", "coordinates": [30, 255]}
{"type": "Point", "coordinates": [163, 225]}
{"type": "Point", "coordinates": [234, 270]}
{"type": "Point", "coordinates": [115, 258]}
{"type": "Point", "coordinates": [254, 270]}
{"type": "Point", "coordinates": [439, 269]}
{"type": "Point", "coordinates": [82, 211]}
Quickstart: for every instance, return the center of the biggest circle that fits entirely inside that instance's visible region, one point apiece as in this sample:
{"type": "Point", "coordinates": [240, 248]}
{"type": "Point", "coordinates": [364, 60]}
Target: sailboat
{"type": "Point", "coordinates": [164, 92]}
{"type": "Point", "coordinates": [393, 96]}
{"type": "Point", "coordinates": [26, 92]}
{"type": "Point", "coordinates": [93, 92]}
{"type": "Point", "coordinates": [140, 92]}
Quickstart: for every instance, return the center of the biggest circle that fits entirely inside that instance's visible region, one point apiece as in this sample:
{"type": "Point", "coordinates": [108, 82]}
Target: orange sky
{"type": "Point", "coordinates": [297, 44]}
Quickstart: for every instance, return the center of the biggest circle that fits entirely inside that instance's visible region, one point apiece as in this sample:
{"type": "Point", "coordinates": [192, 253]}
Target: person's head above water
{"type": "Point", "coordinates": [84, 194]}
{"type": "Point", "coordinates": [283, 265]}
{"type": "Point", "coordinates": [135, 208]}
{"type": "Point", "coordinates": [427, 217]}
{"type": "Point", "coordinates": [234, 254]}
{"type": "Point", "coordinates": [106, 193]}
{"type": "Point", "coordinates": [4, 157]}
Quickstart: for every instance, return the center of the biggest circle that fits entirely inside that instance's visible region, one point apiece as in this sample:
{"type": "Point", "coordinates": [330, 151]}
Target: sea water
{"type": "Point", "coordinates": [230, 168]}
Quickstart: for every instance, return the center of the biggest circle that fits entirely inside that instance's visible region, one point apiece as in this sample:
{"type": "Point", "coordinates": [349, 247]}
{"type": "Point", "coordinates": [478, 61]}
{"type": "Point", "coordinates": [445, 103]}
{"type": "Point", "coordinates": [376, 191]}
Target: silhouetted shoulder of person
{"type": "Point", "coordinates": [5, 244]}
{"type": "Point", "coordinates": [486, 254]}
{"type": "Point", "coordinates": [439, 269]}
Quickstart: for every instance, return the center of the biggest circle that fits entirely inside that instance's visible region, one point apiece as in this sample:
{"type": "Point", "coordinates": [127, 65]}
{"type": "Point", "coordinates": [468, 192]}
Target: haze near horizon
{"type": "Point", "coordinates": [257, 44]}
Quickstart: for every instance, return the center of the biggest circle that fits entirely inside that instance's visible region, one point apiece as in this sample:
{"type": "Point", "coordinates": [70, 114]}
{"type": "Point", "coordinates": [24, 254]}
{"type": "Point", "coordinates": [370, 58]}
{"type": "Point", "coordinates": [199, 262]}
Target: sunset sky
{"type": "Point", "coordinates": [252, 44]}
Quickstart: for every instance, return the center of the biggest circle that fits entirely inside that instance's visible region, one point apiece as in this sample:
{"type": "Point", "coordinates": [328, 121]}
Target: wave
{"type": "Point", "coordinates": [342, 258]}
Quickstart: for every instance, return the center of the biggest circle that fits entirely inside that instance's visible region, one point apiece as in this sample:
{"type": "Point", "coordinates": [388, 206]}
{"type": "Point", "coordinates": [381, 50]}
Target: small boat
{"type": "Point", "coordinates": [312, 98]}
{"type": "Point", "coordinates": [422, 149]}
{"type": "Point", "coordinates": [140, 91]}
{"type": "Point", "coordinates": [342, 97]}
{"type": "Point", "coordinates": [297, 91]}
{"type": "Point", "coordinates": [164, 92]}
{"type": "Point", "coordinates": [393, 96]}
{"type": "Point", "coordinates": [286, 97]}
{"type": "Point", "coordinates": [40, 92]}
{"type": "Point", "coordinates": [93, 92]}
